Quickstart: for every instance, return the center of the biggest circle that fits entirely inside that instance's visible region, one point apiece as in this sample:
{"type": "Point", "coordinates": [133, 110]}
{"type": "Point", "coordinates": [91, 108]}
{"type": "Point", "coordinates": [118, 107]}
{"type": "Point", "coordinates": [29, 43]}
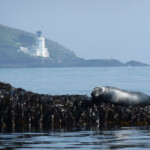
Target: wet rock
{"type": "Point", "coordinates": [23, 109]}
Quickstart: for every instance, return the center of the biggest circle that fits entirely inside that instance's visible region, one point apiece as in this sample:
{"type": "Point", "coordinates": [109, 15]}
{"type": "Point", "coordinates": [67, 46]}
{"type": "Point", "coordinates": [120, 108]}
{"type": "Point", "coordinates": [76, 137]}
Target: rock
{"type": "Point", "coordinates": [20, 109]}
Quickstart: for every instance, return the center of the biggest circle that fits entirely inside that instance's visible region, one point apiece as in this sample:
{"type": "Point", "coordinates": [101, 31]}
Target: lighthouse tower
{"type": "Point", "coordinates": [40, 45]}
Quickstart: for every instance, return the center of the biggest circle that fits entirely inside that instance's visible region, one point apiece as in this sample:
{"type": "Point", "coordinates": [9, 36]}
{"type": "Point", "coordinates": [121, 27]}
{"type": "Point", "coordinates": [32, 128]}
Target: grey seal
{"type": "Point", "coordinates": [117, 96]}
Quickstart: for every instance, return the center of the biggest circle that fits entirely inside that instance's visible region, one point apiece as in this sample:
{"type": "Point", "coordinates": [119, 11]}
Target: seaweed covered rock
{"type": "Point", "coordinates": [23, 109]}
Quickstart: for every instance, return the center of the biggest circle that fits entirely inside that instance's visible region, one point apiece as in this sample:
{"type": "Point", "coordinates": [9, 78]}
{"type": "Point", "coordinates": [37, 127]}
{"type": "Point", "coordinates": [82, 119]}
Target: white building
{"type": "Point", "coordinates": [40, 45]}
{"type": "Point", "coordinates": [39, 49]}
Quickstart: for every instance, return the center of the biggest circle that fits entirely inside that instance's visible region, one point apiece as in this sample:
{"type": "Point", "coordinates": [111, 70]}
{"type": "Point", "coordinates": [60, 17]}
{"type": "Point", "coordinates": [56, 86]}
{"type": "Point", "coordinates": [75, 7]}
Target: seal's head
{"type": "Point", "coordinates": [97, 91]}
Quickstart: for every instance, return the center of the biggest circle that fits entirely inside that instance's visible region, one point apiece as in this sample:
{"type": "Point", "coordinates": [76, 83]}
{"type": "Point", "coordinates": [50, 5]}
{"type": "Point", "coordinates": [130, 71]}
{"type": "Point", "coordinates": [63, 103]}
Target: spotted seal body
{"type": "Point", "coordinates": [117, 96]}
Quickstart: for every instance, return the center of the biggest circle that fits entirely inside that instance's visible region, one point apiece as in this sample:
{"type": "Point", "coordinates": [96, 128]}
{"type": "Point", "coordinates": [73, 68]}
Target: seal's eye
{"type": "Point", "coordinates": [100, 90]}
{"type": "Point", "coordinates": [97, 91]}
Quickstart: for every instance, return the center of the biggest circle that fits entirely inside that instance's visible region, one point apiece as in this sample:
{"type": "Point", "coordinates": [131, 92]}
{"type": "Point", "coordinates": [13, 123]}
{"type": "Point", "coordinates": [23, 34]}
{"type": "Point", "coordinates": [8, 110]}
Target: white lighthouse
{"type": "Point", "coordinates": [40, 45]}
{"type": "Point", "coordinates": [36, 50]}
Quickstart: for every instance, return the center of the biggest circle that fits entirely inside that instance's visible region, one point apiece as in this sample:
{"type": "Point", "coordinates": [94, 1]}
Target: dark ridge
{"type": "Point", "coordinates": [20, 109]}
{"type": "Point", "coordinates": [135, 63]}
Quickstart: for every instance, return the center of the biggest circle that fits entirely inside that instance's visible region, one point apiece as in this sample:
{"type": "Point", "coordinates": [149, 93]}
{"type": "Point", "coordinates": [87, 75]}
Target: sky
{"type": "Point", "coordinates": [93, 29]}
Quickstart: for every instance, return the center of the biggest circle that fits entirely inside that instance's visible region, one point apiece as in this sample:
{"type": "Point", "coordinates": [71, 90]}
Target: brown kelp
{"type": "Point", "coordinates": [25, 109]}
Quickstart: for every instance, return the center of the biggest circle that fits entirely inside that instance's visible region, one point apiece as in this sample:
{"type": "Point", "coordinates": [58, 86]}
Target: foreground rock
{"type": "Point", "coordinates": [23, 109]}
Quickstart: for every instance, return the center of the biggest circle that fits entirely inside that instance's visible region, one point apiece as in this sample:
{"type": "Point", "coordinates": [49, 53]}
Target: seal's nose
{"type": "Point", "coordinates": [97, 91]}
{"type": "Point", "coordinates": [93, 94]}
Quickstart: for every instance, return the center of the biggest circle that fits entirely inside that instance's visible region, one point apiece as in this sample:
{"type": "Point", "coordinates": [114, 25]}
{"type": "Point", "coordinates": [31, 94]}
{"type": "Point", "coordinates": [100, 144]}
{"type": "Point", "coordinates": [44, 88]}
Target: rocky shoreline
{"type": "Point", "coordinates": [25, 109]}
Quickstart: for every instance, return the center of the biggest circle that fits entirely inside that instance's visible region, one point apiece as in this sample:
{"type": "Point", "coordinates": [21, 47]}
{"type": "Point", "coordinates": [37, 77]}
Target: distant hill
{"type": "Point", "coordinates": [135, 63]}
{"type": "Point", "coordinates": [11, 39]}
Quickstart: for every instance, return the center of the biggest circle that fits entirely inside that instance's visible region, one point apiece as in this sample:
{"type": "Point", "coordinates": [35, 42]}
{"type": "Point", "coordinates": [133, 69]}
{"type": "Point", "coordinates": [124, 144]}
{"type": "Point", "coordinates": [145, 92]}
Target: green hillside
{"type": "Point", "coordinates": [11, 39]}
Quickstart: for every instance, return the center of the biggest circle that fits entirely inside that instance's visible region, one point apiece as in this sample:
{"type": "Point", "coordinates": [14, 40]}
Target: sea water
{"type": "Point", "coordinates": [78, 81]}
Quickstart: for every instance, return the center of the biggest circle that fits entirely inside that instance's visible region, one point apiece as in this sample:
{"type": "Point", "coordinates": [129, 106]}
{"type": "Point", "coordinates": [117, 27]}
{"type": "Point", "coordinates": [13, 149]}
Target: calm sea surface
{"type": "Point", "coordinates": [78, 81]}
